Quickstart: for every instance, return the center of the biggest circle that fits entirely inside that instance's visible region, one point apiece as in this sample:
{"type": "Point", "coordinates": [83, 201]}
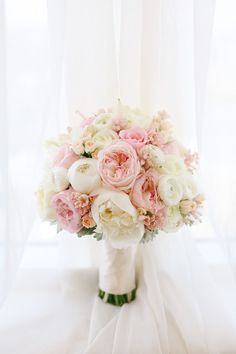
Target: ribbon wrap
{"type": "Point", "coordinates": [117, 275]}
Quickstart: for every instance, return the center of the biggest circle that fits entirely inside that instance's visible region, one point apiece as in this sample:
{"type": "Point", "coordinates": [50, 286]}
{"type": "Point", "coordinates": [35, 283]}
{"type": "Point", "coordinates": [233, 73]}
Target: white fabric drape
{"type": "Point", "coordinates": [160, 50]}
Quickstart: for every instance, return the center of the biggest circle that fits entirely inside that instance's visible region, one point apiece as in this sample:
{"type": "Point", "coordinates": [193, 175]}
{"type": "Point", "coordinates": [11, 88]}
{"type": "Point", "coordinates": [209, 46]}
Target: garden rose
{"type": "Point", "coordinates": [136, 137]}
{"type": "Point", "coordinates": [117, 219]}
{"type": "Point", "coordinates": [144, 192]}
{"type": "Point", "coordinates": [66, 213]}
{"type": "Point", "coordinates": [118, 165]}
{"type": "Point", "coordinates": [170, 190]}
{"type": "Point", "coordinates": [65, 157]}
{"type": "Point", "coordinates": [83, 175]}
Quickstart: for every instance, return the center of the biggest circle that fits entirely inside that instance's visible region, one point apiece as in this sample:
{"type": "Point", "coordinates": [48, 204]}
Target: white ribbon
{"type": "Point", "coordinates": [117, 271]}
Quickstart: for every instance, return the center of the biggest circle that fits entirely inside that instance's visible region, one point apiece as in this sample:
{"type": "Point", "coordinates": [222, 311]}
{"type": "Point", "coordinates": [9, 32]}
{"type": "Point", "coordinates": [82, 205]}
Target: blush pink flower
{"type": "Point", "coordinates": [118, 124]}
{"type": "Point", "coordinates": [118, 165]}
{"type": "Point", "coordinates": [156, 138]}
{"type": "Point", "coordinates": [88, 221]}
{"type": "Point", "coordinates": [86, 122]}
{"type": "Point", "coordinates": [81, 203]}
{"type": "Point", "coordinates": [65, 157]}
{"type": "Point", "coordinates": [136, 137]}
{"type": "Point", "coordinates": [67, 215]}
{"type": "Point", "coordinates": [155, 221]}
{"type": "Point", "coordinates": [144, 192]}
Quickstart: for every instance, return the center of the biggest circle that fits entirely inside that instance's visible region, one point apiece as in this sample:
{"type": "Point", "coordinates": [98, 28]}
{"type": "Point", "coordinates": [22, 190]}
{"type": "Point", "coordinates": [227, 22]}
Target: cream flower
{"type": "Point", "coordinates": [152, 154]}
{"type": "Point", "coordinates": [117, 219]}
{"type": "Point", "coordinates": [173, 165]}
{"type": "Point", "coordinates": [102, 120]}
{"type": "Point", "coordinates": [190, 189]}
{"type": "Point", "coordinates": [174, 219]}
{"type": "Point", "coordinates": [102, 139]}
{"type": "Point", "coordinates": [45, 209]}
{"type": "Point", "coordinates": [83, 175]}
{"type": "Point", "coordinates": [170, 190]}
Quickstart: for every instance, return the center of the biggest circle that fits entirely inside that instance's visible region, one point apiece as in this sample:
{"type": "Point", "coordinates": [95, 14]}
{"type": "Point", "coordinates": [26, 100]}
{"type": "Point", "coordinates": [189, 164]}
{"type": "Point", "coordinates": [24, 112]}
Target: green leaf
{"type": "Point", "coordinates": [87, 154]}
{"type": "Point", "coordinates": [85, 232]}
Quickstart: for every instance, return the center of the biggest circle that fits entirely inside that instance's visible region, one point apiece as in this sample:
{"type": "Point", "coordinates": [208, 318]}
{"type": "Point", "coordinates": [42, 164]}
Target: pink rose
{"type": "Point", "coordinates": [136, 137]}
{"type": "Point", "coordinates": [118, 165]}
{"type": "Point", "coordinates": [144, 192]}
{"type": "Point", "coordinates": [65, 157]}
{"type": "Point", "coordinates": [67, 215]}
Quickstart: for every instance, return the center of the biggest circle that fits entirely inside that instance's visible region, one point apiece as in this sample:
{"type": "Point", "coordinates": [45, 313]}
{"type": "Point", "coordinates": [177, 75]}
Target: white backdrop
{"type": "Point", "coordinates": [61, 56]}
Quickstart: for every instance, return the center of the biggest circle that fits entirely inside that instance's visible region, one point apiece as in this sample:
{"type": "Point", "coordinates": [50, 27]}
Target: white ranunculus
{"type": "Point", "coordinates": [173, 165]}
{"type": "Point", "coordinates": [44, 196]}
{"type": "Point", "coordinates": [117, 219]}
{"type": "Point", "coordinates": [170, 190]}
{"type": "Point", "coordinates": [83, 175]}
{"type": "Point", "coordinates": [174, 219]}
{"type": "Point", "coordinates": [190, 189]}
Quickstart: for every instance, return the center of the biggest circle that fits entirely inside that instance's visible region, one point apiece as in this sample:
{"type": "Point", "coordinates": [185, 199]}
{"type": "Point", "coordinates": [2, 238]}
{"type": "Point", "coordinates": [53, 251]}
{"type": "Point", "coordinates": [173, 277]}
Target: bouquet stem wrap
{"type": "Point", "coordinates": [117, 275]}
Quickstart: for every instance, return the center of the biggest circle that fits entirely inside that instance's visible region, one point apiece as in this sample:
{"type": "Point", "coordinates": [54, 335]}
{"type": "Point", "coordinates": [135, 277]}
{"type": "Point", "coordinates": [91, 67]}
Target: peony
{"type": "Point", "coordinates": [83, 175]}
{"type": "Point", "coordinates": [173, 165]}
{"type": "Point", "coordinates": [144, 192]}
{"type": "Point", "coordinates": [136, 137]}
{"type": "Point", "coordinates": [65, 157]}
{"type": "Point", "coordinates": [118, 165]}
{"type": "Point", "coordinates": [66, 213]}
{"type": "Point", "coordinates": [170, 190]}
{"type": "Point", "coordinates": [174, 219]}
{"type": "Point", "coordinates": [117, 219]}
{"type": "Point", "coordinates": [45, 209]}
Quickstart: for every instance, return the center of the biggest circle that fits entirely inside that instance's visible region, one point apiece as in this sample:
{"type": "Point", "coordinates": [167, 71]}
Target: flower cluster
{"type": "Point", "coordinates": [121, 176]}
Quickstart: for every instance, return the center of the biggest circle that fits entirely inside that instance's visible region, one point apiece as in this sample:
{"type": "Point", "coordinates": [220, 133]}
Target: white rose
{"type": "Point", "coordinates": [170, 190]}
{"type": "Point", "coordinates": [83, 175]}
{"type": "Point", "coordinates": [44, 196]}
{"type": "Point", "coordinates": [174, 219]}
{"type": "Point", "coordinates": [173, 165]}
{"type": "Point", "coordinates": [117, 219]}
{"type": "Point", "coordinates": [190, 189]}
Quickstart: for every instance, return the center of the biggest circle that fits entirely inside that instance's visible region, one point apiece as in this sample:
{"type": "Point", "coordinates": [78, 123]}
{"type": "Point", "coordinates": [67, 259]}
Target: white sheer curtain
{"type": "Point", "coordinates": [68, 56]}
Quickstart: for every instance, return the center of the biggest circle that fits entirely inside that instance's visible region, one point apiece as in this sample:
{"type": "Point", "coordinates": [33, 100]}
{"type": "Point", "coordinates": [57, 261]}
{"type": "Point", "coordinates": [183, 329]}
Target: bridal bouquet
{"type": "Point", "coordinates": [119, 176]}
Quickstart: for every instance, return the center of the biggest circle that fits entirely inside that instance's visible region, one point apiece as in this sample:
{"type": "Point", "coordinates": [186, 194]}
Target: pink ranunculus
{"type": "Point", "coordinates": [136, 137]}
{"type": "Point", "coordinates": [65, 157]}
{"type": "Point", "coordinates": [67, 215]}
{"type": "Point", "coordinates": [144, 192]}
{"type": "Point", "coordinates": [118, 165]}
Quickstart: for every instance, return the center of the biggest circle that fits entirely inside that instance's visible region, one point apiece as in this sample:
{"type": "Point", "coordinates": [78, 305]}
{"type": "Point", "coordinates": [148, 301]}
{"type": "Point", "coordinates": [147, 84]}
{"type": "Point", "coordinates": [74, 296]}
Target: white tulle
{"type": "Point", "coordinates": [160, 51]}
